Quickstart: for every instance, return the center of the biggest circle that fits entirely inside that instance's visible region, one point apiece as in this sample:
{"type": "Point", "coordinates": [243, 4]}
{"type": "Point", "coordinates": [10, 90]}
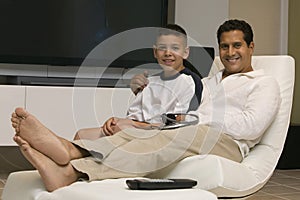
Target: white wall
{"type": "Point", "coordinates": [201, 19]}
{"type": "Point", "coordinates": [269, 19]}
{"type": "Point", "coordinates": [294, 50]}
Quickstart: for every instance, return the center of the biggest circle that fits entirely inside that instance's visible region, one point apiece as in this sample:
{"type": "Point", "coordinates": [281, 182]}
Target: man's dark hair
{"type": "Point", "coordinates": [235, 24]}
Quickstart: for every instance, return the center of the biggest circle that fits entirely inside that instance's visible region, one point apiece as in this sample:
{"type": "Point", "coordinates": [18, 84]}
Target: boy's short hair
{"type": "Point", "coordinates": [176, 28]}
{"type": "Point", "coordinates": [173, 29]}
{"type": "Point", "coordinates": [235, 24]}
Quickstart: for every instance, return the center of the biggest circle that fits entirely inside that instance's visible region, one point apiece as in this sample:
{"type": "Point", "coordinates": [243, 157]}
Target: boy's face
{"type": "Point", "coordinates": [235, 54]}
{"type": "Point", "coordinates": [170, 50]}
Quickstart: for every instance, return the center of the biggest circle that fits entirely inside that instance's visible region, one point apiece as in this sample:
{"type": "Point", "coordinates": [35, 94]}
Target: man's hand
{"type": "Point", "coordinates": [139, 82]}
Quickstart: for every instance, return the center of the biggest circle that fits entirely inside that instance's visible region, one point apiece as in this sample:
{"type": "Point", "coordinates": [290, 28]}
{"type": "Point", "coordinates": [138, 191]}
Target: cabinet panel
{"type": "Point", "coordinates": [66, 109]}
{"type": "Point", "coordinates": [53, 107]}
{"type": "Point", "coordinates": [10, 98]}
{"type": "Point", "coordinates": [94, 106]}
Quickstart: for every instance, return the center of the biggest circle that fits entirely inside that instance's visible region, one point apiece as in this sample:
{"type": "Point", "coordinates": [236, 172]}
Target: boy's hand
{"type": "Point", "coordinates": [109, 126]}
{"type": "Point", "coordinates": [139, 82]}
{"type": "Point", "coordinates": [114, 125]}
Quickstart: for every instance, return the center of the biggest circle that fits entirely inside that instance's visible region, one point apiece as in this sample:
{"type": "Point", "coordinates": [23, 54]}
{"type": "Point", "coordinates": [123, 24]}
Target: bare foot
{"type": "Point", "coordinates": [39, 137]}
{"type": "Point", "coordinates": [54, 176]}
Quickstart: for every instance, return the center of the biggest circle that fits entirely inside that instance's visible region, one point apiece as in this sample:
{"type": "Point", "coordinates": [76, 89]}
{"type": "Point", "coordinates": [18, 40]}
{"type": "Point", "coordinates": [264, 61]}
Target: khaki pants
{"type": "Point", "coordinates": [136, 152]}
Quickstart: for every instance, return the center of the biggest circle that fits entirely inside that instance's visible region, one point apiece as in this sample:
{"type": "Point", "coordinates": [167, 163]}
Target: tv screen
{"type": "Point", "coordinates": [63, 32]}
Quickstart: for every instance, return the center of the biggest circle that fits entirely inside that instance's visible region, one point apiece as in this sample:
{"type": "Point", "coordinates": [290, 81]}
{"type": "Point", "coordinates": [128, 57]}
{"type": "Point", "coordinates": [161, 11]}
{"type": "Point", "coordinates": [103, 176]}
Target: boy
{"type": "Point", "coordinates": [175, 90]}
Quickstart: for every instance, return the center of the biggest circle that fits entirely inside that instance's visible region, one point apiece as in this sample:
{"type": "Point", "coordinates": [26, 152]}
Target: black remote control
{"type": "Point", "coordinates": [160, 184]}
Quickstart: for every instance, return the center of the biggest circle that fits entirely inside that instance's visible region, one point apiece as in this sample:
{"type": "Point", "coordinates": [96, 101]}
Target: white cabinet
{"type": "Point", "coordinates": [10, 98]}
{"type": "Point", "coordinates": [63, 110]}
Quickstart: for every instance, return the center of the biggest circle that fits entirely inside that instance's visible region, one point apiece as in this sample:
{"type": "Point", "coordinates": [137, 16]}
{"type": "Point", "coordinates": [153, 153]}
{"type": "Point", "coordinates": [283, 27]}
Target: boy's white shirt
{"type": "Point", "coordinates": [162, 96]}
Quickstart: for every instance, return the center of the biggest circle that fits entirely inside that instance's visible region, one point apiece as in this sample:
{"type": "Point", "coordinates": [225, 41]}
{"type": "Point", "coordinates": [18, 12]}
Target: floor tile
{"type": "Point", "coordinates": [269, 197]}
{"type": "Point", "coordinates": [296, 186]}
{"type": "Point", "coordinates": [295, 196]}
{"type": "Point", "coordinates": [291, 173]}
{"type": "Point", "coordinates": [285, 181]}
{"type": "Point", "coordinates": [280, 189]}
{"type": "Point", "coordinates": [260, 193]}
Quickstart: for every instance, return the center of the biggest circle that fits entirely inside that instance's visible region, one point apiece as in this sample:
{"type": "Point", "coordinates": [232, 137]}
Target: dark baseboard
{"type": "Point", "coordinates": [290, 157]}
{"type": "Point", "coordinates": [11, 159]}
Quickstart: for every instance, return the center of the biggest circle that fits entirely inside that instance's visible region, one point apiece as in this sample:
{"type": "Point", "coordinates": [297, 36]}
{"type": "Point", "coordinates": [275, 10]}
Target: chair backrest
{"type": "Point", "coordinates": [282, 68]}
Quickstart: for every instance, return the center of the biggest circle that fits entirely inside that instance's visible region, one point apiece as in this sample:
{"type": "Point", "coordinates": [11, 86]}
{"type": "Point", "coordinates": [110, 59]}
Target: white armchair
{"type": "Point", "coordinates": [230, 179]}
{"type": "Point", "coordinates": [216, 176]}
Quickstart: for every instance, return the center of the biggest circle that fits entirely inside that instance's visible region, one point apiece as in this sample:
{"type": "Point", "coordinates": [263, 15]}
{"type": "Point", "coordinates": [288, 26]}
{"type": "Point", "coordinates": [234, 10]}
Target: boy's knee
{"type": "Point", "coordinates": [78, 134]}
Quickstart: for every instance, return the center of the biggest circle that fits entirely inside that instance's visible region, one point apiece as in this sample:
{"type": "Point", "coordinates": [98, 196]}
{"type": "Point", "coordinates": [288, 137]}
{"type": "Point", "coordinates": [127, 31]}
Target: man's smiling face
{"type": "Point", "coordinates": [235, 54]}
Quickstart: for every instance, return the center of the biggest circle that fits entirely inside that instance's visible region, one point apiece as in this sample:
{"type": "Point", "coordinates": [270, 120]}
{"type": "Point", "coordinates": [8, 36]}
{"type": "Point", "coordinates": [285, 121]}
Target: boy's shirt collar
{"type": "Point", "coordinates": [162, 76]}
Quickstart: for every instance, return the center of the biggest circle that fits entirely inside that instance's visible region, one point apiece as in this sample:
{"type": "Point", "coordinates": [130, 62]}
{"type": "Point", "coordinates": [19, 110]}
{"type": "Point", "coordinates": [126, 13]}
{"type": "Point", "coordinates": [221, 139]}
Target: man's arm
{"type": "Point", "coordinates": [259, 112]}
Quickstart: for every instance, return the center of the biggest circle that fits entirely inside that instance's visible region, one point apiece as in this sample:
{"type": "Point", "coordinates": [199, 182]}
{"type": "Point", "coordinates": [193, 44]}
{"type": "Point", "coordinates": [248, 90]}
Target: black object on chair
{"type": "Point", "coordinates": [200, 60]}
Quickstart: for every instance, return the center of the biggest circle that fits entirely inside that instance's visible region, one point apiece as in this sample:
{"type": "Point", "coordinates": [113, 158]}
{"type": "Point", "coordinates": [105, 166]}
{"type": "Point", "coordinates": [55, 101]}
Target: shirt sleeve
{"type": "Point", "coordinates": [187, 91]}
{"type": "Point", "coordinates": [260, 110]}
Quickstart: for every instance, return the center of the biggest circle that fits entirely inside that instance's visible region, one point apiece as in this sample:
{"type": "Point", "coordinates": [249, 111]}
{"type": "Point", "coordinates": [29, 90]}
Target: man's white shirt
{"type": "Point", "coordinates": [242, 105]}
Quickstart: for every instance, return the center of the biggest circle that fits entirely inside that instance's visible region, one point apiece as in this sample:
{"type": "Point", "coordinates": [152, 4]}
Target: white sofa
{"type": "Point", "coordinates": [216, 176]}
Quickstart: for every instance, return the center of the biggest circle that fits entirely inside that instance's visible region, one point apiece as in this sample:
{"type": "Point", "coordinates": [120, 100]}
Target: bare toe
{"type": "Point", "coordinates": [21, 112]}
{"type": "Point", "coordinates": [19, 140]}
{"type": "Point", "coordinates": [15, 122]}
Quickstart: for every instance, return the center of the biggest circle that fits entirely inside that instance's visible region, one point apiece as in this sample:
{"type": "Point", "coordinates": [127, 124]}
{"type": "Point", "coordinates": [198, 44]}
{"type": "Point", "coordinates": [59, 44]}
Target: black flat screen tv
{"type": "Point", "coordinates": [56, 36]}
{"type": "Point", "coordinates": [63, 32]}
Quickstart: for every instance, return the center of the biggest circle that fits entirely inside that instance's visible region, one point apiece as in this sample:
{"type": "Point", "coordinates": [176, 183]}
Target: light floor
{"type": "Point", "coordinates": [283, 185]}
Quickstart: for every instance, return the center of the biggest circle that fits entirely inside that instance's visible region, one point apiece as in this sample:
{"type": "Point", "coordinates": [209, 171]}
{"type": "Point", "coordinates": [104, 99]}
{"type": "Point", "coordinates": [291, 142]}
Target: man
{"type": "Point", "coordinates": [238, 104]}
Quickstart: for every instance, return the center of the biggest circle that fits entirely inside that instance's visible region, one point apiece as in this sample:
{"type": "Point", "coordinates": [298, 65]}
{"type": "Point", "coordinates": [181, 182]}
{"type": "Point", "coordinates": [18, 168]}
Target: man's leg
{"type": "Point", "coordinates": [54, 176]}
{"type": "Point", "coordinates": [89, 133]}
{"type": "Point", "coordinates": [140, 156]}
{"type": "Point", "coordinates": [42, 139]}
